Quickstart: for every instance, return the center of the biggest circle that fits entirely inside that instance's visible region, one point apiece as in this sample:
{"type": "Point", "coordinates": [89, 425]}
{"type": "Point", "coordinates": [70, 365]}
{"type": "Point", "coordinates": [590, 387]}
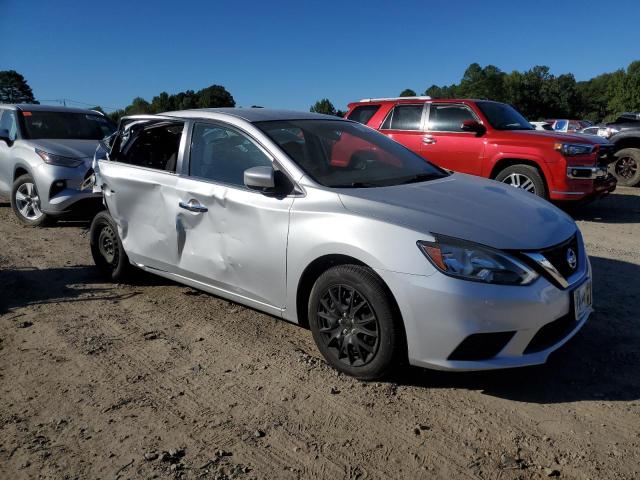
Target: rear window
{"type": "Point", "coordinates": [363, 113]}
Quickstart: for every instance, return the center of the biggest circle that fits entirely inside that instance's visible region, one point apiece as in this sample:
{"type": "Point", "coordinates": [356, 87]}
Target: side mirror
{"type": "Point", "coordinates": [472, 126]}
{"type": "Point", "coordinates": [260, 178]}
{"type": "Point", "coordinates": [4, 135]}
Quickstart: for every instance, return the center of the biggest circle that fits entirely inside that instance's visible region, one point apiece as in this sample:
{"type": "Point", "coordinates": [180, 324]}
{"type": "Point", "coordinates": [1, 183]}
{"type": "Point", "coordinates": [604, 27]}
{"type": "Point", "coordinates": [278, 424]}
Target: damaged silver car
{"type": "Point", "coordinates": [329, 224]}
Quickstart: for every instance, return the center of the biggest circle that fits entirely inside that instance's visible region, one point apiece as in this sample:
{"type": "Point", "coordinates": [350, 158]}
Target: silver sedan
{"type": "Point", "coordinates": [329, 224]}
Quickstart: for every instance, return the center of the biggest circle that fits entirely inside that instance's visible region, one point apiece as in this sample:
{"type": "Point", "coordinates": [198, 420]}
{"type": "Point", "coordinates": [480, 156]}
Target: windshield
{"type": "Point", "coordinates": [503, 117]}
{"type": "Point", "coordinates": [338, 153]}
{"type": "Point", "coordinates": [65, 125]}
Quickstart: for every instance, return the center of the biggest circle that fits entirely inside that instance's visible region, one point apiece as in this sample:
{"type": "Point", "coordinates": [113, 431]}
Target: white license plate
{"type": "Point", "coordinates": [582, 299]}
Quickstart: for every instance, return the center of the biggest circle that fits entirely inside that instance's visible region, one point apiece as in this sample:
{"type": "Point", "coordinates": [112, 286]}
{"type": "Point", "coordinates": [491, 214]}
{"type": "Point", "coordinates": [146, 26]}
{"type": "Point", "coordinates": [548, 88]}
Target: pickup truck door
{"type": "Point", "coordinates": [446, 144]}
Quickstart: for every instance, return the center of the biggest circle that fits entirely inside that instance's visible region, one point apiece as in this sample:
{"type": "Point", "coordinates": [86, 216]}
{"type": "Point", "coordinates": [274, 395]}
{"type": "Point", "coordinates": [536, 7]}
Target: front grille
{"type": "Point", "coordinates": [558, 256]}
{"type": "Point", "coordinates": [605, 154]}
{"type": "Point", "coordinates": [481, 346]}
{"type": "Point", "coordinates": [551, 333]}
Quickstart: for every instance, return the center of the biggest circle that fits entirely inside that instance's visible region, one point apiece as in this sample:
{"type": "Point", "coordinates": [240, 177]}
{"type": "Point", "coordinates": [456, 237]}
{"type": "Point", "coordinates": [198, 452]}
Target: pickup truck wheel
{"type": "Point", "coordinates": [354, 324]}
{"type": "Point", "coordinates": [106, 248]}
{"type": "Point", "coordinates": [626, 168]}
{"type": "Point", "coordinates": [25, 202]}
{"type": "Point", "coordinates": [526, 177]}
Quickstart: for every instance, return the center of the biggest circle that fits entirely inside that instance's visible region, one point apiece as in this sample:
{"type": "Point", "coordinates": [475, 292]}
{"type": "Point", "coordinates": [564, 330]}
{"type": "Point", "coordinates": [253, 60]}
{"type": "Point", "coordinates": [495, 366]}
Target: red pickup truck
{"type": "Point", "coordinates": [492, 140]}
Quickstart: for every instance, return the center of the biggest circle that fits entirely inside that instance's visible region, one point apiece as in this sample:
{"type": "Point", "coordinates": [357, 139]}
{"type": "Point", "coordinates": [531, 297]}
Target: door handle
{"type": "Point", "coordinates": [193, 206]}
{"type": "Point", "coordinates": [428, 140]}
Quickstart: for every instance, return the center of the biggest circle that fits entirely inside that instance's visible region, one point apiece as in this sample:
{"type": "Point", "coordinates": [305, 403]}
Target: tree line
{"type": "Point", "coordinates": [536, 93]}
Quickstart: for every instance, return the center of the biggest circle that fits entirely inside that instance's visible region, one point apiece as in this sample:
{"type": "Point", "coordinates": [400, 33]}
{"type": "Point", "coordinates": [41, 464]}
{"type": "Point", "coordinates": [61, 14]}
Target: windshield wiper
{"type": "Point", "coordinates": [421, 177]}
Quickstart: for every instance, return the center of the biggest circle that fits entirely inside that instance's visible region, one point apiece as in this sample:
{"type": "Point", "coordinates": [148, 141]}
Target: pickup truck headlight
{"type": "Point", "coordinates": [573, 149]}
{"type": "Point", "coordinates": [58, 160]}
{"type": "Point", "coordinates": [470, 261]}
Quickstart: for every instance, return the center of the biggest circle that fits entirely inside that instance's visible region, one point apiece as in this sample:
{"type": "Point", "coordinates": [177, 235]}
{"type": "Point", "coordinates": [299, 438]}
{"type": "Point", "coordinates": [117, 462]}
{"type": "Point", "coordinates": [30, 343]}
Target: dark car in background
{"type": "Point", "coordinates": [624, 133]}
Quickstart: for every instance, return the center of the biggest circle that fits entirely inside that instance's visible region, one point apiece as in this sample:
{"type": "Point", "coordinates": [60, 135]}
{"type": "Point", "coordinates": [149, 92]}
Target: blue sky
{"type": "Point", "coordinates": [288, 54]}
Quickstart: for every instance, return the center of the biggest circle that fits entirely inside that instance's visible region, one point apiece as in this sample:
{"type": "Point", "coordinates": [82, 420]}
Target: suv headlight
{"type": "Point", "coordinates": [573, 149]}
{"type": "Point", "coordinates": [58, 160]}
{"type": "Point", "coordinates": [470, 261]}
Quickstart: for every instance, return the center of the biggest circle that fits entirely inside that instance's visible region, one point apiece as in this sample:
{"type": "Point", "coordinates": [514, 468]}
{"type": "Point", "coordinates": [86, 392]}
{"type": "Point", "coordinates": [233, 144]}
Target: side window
{"type": "Point", "coordinates": [222, 154]}
{"type": "Point", "coordinates": [8, 123]}
{"type": "Point", "coordinates": [363, 113]}
{"type": "Point", "coordinates": [447, 118]}
{"type": "Point", "coordinates": [154, 146]}
{"type": "Point", "coordinates": [404, 117]}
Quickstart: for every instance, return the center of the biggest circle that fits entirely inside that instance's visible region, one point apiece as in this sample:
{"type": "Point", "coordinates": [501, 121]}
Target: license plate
{"type": "Point", "coordinates": [582, 299]}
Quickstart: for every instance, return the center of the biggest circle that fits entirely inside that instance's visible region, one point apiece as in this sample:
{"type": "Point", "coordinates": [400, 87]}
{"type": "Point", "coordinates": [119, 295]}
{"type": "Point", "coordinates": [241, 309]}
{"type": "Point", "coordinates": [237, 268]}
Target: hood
{"type": "Point", "coordinates": [67, 148]}
{"type": "Point", "coordinates": [554, 136]}
{"type": "Point", "coordinates": [466, 207]}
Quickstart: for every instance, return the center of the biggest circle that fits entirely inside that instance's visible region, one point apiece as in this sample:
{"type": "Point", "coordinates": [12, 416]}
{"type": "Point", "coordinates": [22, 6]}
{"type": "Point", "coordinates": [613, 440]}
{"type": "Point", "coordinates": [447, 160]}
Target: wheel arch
{"type": "Point", "coordinates": [316, 268]}
{"type": "Point", "coordinates": [628, 142]}
{"type": "Point", "coordinates": [509, 162]}
{"type": "Point", "coordinates": [20, 170]}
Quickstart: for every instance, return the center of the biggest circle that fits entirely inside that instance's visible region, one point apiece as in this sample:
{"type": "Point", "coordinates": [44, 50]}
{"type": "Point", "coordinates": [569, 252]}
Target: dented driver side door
{"type": "Point", "coordinates": [228, 236]}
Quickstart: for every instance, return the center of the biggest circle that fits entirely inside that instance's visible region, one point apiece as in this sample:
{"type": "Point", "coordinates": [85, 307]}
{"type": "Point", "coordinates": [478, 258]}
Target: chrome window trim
{"type": "Point", "coordinates": [473, 114]}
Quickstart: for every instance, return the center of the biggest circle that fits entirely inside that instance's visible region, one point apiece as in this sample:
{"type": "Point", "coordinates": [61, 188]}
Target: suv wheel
{"type": "Point", "coordinates": [525, 177]}
{"type": "Point", "coordinates": [25, 202]}
{"type": "Point", "coordinates": [354, 324]}
{"type": "Point", "coordinates": [106, 248]}
{"type": "Point", "coordinates": [626, 168]}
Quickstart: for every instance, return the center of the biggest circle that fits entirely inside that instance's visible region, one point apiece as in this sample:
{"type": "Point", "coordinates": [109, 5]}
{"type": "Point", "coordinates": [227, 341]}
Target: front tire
{"type": "Point", "coordinates": [525, 177]}
{"type": "Point", "coordinates": [25, 202]}
{"type": "Point", "coordinates": [354, 322]}
{"type": "Point", "coordinates": [626, 168]}
{"type": "Point", "coordinates": [106, 248]}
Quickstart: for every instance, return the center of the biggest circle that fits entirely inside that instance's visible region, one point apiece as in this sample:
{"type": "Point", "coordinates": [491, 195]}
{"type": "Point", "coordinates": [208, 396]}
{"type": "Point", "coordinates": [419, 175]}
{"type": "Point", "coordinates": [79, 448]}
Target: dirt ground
{"type": "Point", "coordinates": [156, 380]}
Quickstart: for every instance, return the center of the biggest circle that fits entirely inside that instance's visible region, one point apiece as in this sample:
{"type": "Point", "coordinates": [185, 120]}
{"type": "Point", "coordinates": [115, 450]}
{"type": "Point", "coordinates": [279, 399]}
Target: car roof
{"type": "Point", "coordinates": [250, 114]}
{"type": "Point", "coordinates": [36, 107]}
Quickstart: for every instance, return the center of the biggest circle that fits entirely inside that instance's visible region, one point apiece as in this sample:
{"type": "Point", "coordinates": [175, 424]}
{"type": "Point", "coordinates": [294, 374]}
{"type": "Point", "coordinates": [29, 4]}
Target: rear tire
{"type": "Point", "coordinates": [626, 168]}
{"type": "Point", "coordinates": [106, 248]}
{"type": "Point", "coordinates": [525, 177]}
{"type": "Point", "coordinates": [354, 322]}
{"type": "Point", "coordinates": [25, 202]}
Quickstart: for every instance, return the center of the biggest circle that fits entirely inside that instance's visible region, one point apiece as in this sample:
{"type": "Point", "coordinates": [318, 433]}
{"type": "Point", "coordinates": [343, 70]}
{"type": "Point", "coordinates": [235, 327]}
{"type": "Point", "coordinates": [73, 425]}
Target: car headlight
{"type": "Point", "coordinates": [573, 149]}
{"type": "Point", "coordinates": [58, 160]}
{"type": "Point", "coordinates": [470, 261]}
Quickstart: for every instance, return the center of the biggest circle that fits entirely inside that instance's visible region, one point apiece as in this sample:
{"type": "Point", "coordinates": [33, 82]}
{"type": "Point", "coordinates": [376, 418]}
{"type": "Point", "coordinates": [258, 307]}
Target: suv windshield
{"type": "Point", "coordinates": [503, 117]}
{"type": "Point", "coordinates": [343, 154]}
{"type": "Point", "coordinates": [65, 125]}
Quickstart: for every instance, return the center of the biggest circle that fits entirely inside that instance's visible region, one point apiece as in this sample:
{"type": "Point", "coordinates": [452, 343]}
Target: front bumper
{"type": "Point", "coordinates": [440, 313]}
{"type": "Point", "coordinates": [59, 188]}
{"type": "Point", "coordinates": [586, 189]}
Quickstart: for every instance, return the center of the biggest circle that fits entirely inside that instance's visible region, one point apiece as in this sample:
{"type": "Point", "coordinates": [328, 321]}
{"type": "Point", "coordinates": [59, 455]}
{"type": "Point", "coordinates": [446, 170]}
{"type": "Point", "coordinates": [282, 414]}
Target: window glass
{"type": "Point", "coordinates": [561, 125]}
{"type": "Point", "coordinates": [8, 123]}
{"type": "Point", "coordinates": [447, 118]}
{"type": "Point", "coordinates": [404, 117]}
{"type": "Point", "coordinates": [502, 116]}
{"type": "Point", "coordinates": [363, 113]}
{"type": "Point", "coordinates": [222, 154]}
{"type": "Point", "coordinates": [343, 154]}
{"type": "Point", "coordinates": [66, 125]}
{"type": "Point", "coordinates": [154, 146]}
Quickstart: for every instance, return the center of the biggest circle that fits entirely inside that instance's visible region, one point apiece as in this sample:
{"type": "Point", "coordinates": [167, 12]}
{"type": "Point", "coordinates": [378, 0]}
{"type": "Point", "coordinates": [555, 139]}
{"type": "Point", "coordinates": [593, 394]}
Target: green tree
{"type": "Point", "coordinates": [138, 106]}
{"type": "Point", "coordinates": [14, 88]}
{"type": "Point", "coordinates": [407, 92]}
{"type": "Point", "coordinates": [162, 102]}
{"type": "Point", "coordinates": [214, 96]}
{"type": "Point", "coordinates": [323, 106]}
